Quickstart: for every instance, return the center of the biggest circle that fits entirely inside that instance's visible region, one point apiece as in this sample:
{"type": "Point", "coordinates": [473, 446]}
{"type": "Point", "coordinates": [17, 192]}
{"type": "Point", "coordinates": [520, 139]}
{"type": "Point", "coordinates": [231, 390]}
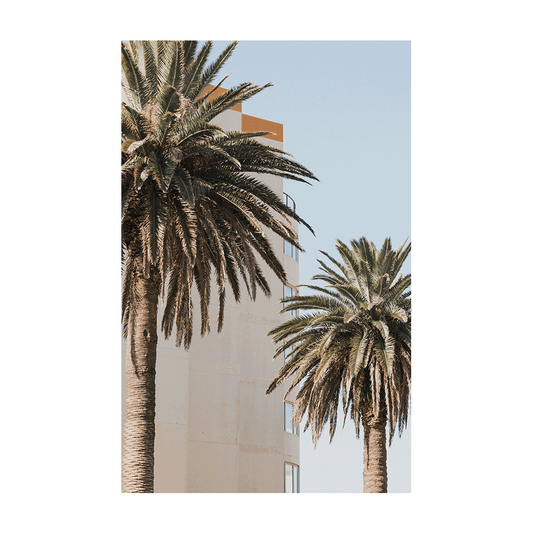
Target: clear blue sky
{"type": "Point", "coordinates": [346, 111]}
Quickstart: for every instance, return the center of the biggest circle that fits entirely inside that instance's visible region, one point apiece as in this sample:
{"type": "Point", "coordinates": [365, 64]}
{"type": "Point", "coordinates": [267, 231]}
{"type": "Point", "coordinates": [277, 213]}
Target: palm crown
{"type": "Point", "coordinates": [352, 340]}
{"type": "Point", "coordinates": [189, 203]}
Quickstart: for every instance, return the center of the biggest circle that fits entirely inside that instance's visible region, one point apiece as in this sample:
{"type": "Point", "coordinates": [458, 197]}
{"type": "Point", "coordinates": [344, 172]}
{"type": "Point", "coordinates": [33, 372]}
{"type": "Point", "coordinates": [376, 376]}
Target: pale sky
{"type": "Point", "coordinates": [346, 111]}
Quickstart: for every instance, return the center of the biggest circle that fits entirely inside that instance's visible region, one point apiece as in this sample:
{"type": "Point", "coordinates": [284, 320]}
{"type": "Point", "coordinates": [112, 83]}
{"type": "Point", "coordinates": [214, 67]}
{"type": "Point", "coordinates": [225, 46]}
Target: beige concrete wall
{"type": "Point", "coordinates": [216, 430]}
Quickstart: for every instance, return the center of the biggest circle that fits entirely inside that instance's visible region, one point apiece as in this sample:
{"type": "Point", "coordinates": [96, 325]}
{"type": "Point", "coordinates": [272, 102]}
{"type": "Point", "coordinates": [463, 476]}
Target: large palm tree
{"type": "Point", "coordinates": [352, 343]}
{"type": "Point", "coordinates": [191, 213]}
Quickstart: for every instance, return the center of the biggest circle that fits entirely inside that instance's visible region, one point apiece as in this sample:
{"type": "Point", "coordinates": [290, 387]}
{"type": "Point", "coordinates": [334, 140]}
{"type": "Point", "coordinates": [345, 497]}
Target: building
{"type": "Point", "coordinates": [216, 430]}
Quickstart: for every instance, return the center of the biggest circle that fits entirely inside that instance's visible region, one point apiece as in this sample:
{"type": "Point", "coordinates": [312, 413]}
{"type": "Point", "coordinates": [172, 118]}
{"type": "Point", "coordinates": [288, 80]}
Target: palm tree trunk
{"type": "Point", "coordinates": [375, 450]}
{"type": "Point", "coordinates": [139, 417]}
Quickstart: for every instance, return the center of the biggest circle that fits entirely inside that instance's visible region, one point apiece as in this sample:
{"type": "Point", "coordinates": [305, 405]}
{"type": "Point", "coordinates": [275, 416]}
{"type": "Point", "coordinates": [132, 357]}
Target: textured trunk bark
{"type": "Point", "coordinates": [375, 451]}
{"type": "Point", "coordinates": [139, 417]}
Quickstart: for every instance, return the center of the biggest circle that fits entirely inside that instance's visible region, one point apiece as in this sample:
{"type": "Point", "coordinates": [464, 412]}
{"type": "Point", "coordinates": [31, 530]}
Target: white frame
{"type": "Point", "coordinates": [418, 32]}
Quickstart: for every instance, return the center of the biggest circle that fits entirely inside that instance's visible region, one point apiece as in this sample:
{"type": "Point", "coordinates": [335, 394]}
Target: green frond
{"type": "Point", "coordinates": [385, 250]}
{"type": "Point", "coordinates": [183, 185]}
{"type": "Point", "coordinates": [140, 172]}
{"type": "Point", "coordinates": [202, 278]}
{"type": "Point", "coordinates": [133, 81]}
{"type": "Point", "coordinates": [263, 247]}
{"type": "Point", "coordinates": [340, 278]}
{"type": "Point", "coordinates": [176, 67]}
{"type": "Point", "coordinates": [128, 193]}
{"type": "Point", "coordinates": [166, 54]}
{"type": "Point", "coordinates": [314, 302]}
{"type": "Point", "coordinates": [360, 343]}
{"type": "Point", "coordinates": [134, 125]}
{"type": "Point", "coordinates": [189, 51]}
{"type": "Point", "coordinates": [399, 285]}
{"type": "Point", "coordinates": [193, 74]}
{"type": "Point", "coordinates": [150, 66]}
{"type": "Point", "coordinates": [325, 355]}
{"type": "Point", "coordinates": [212, 70]}
{"type": "Point", "coordinates": [238, 138]}
{"type": "Point", "coordinates": [221, 304]}
{"type": "Point", "coordinates": [191, 134]}
{"type": "Point", "coordinates": [381, 350]}
{"type": "Point", "coordinates": [162, 169]}
{"type": "Point", "coordinates": [333, 293]}
{"type": "Point", "coordinates": [394, 311]}
{"type": "Point", "coordinates": [261, 158]}
{"type": "Point", "coordinates": [260, 195]}
{"type": "Point", "coordinates": [217, 151]}
{"type": "Point", "coordinates": [235, 95]}
{"type": "Point", "coordinates": [168, 101]}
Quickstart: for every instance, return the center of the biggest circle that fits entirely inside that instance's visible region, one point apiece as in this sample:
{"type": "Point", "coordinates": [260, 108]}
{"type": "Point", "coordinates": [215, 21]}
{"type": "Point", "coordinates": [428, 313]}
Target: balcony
{"type": "Point", "coordinates": [289, 202]}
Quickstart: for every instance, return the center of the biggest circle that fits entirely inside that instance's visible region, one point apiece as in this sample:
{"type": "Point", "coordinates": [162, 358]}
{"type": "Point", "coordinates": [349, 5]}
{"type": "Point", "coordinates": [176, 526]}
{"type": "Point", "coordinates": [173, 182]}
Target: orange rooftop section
{"type": "Point", "coordinates": [252, 124]}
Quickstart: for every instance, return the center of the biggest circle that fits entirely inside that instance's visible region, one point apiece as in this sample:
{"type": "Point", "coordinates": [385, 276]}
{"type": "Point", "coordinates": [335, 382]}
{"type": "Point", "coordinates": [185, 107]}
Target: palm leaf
{"type": "Point", "coordinates": [162, 169]}
{"type": "Point", "coordinates": [213, 69]}
{"type": "Point", "coordinates": [133, 81]}
{"type": "Point", "coordinates": [193, 73]}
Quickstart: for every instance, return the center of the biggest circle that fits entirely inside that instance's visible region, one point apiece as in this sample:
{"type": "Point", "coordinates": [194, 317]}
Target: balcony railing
{"type": "Point", "coordinates": [289, 202]}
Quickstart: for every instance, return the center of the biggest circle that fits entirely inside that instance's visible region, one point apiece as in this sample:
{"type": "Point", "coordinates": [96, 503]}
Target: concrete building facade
{"type": "Point", "coordinates": [216, 430]}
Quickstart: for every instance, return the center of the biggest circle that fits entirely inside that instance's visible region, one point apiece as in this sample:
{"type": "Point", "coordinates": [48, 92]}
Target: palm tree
{"type": "Point", "coordinates": [352, 342]}
{"type": "Point", "coordinates": [191, 212]}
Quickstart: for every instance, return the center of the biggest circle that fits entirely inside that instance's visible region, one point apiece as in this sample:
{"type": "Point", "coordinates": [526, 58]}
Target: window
{"type": "Point", "coordinates": [289, 202]}
{"type": "Point", "coordinates": [286, 353]}
{"type": "Point", "coordinates": [292, 478]}
{"type": "Point", "coordinates": [290, 249]}
{"type": "Point", "coordinates": [289, 426]}
{"type": "Point", "coordinates": [288, 292]}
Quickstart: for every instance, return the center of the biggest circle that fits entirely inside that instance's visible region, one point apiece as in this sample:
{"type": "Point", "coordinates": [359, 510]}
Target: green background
{"type": "Point", "coordinates": [481, 203]}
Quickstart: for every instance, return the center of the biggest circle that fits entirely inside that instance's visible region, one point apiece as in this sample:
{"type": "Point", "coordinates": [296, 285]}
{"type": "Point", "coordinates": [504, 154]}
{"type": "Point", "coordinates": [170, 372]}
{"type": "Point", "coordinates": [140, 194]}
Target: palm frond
{"type": "Point", "coordinates": [133, 81]}
{"type": "Point", "coordinates": [150, 66]}
{"type": "Point", "coordinates": [193, 74]}
{"type": "Point", "coordinates": [212, 70]}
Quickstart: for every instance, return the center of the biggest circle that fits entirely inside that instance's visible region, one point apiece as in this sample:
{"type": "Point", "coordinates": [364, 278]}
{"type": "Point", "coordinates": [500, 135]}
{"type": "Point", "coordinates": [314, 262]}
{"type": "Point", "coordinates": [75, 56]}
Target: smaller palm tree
{"type": "Point", "coordinates": [351, 343]}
